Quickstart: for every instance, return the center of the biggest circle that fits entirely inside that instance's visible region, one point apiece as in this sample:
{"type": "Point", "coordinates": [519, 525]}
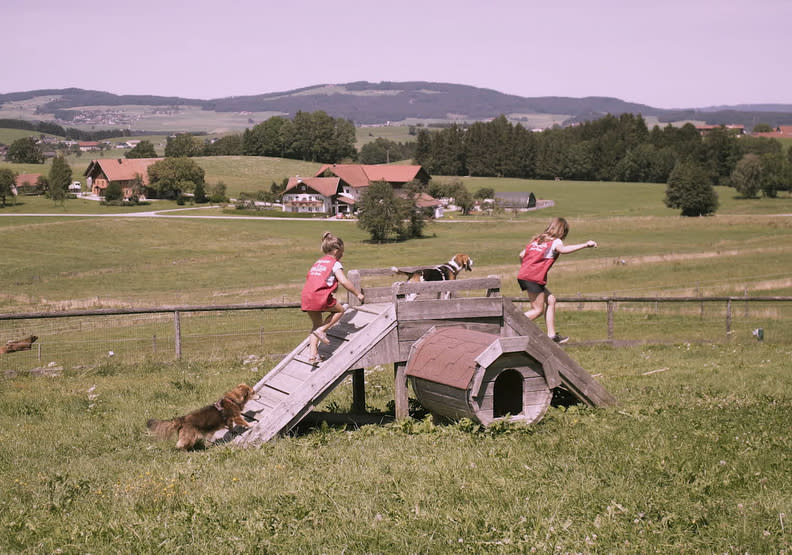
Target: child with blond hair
{"type": "Point", "coordinates": [536, 259]}
{"type": "Point", "coordinates": [317, 294]}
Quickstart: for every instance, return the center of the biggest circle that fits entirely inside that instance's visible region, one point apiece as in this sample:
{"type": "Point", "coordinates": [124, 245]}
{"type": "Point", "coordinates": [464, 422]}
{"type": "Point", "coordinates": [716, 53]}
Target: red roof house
{"type": "Point", "coordinates": [101, 173]}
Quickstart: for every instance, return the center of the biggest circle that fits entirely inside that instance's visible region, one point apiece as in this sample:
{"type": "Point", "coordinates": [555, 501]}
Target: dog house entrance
{"type": "Point", "coordinates": [507, 394]}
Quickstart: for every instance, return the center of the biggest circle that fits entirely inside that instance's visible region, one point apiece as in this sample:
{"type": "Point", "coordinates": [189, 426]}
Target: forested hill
{"type": "Point", "coordinates": [371, 103]}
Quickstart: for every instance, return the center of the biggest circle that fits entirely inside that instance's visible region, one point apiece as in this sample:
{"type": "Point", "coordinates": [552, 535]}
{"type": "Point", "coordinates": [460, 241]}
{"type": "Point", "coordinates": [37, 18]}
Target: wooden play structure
{"type": "Point", "coordinates": [466, 356]}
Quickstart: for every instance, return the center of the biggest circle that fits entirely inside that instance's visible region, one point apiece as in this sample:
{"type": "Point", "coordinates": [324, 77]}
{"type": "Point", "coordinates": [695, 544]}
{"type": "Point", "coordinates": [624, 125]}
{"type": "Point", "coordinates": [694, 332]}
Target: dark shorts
{"type": "Point", "coordinates": [532, 287]}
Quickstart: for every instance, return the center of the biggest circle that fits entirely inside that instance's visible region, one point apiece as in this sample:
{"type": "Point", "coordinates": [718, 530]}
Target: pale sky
{"type": "Point", "coordinates": [663, 53]}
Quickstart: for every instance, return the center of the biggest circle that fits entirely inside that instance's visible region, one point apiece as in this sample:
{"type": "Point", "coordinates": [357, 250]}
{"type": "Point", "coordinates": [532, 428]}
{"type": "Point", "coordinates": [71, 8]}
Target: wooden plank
{"type": "Point", "coordinates": [579, 382]}
{"type": "Point", "coordinates": [412, 330]}
{"type": "Point", "coordinates": [328, 375]}
{"type": "Point", "coordinates": [474, 307]}
{"type": "Point", "coordinates": [433, 287]}
{"type": "Point", "coordinates": [384, 352]}
{"type": "Point", "coordinates": [284, 382]}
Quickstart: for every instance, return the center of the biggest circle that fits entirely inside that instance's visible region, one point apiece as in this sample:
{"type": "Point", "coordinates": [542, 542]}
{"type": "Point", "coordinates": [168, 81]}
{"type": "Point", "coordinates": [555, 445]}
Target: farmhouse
{"type": "Point", "coordinates": [782, 131]}
{"type": "Point", "coordinates": [125, 171]}
{"type": "Point", "coordinates": [336, 188]}
{"type": "Point", "coordinates": [26, 182]}
{"type": "Point", "coordinates": [316, 194]}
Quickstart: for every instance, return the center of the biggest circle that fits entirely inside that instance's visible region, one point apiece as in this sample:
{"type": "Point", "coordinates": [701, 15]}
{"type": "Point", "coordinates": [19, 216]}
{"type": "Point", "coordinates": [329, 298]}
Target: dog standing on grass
{"type": "Point", "coordinates": [204, 422]}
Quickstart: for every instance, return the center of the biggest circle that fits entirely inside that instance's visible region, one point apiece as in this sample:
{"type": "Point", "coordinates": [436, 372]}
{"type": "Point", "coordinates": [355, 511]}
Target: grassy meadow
{"type": "Point", "coordinates": [694, 458]}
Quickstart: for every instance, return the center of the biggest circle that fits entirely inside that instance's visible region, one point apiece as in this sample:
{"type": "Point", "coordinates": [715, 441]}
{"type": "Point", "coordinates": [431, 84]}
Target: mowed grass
{"type": "Point", "coordinates": [694, 458]}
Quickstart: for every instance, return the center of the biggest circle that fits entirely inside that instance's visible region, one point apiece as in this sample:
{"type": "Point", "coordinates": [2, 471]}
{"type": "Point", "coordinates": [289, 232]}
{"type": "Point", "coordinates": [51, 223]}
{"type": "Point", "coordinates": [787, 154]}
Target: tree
{"type": "Point", "coordinates": [462, 197]}
{"type": "Point", "coordinates": [747, 176]}
{"type": "Point", "coordinates": [380, 212]}
{"type": "Point", "coordinates": [776, 174]}
{"type": "Point", "coordinates": [183, 145]}
{"type": "Point", "coordinates": [144, 149]}
{"type": "Point", "coordinates": [113, 192]}
{"type": "Point", "coordinates": [172, 177]}
{"type": "Point", "coordinates": [217, 193]}
{"type": "Point", "coordinates": [60, 177]}
{"type": "Point", "coordinates": [7, 183]}
{"type": "Point", "coordinates": [25, 151]}
{"type": "Point", "coordinates": [230, 145]}
{"type": "Point", "coordinates": [484, 193]}
{"type": "Point", "coordinates": [762, 128]}
{"type": "Point", "coordinates": [199, 193]}
{"type": "Point", "coordinates": [690, 190]}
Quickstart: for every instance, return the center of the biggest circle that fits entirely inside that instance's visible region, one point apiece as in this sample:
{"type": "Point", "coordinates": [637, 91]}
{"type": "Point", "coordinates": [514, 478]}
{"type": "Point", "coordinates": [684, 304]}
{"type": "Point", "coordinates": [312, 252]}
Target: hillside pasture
{"type": "Point", "coordinates": [693, 458]}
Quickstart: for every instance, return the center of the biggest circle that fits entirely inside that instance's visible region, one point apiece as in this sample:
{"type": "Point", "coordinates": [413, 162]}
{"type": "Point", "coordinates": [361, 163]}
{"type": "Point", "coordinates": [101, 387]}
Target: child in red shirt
{"type": "Point", "coordinates": [317, 294]}
{"type": "Point", "coordinates": [536, 259]}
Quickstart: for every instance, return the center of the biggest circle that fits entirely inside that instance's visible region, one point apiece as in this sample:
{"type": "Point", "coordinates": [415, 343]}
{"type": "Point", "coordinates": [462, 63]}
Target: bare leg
{"type": "Point", "coordinates": [550, 315]}
{"type": "Point", "coordinates": [537, 305]}
{"type": "Point", "coordinates": [336, 312]}
{"type": "Point", "coordinates": [316, 321]}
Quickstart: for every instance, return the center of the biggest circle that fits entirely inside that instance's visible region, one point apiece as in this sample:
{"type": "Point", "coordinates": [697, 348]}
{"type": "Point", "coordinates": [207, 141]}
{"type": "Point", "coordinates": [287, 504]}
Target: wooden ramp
{"type": "Point", "coordinates": [294, 387]}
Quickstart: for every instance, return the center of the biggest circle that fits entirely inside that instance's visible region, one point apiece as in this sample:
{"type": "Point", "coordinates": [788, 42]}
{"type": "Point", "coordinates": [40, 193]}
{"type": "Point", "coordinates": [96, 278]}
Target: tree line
{"type": "Point", "coordinates": [612, 148]}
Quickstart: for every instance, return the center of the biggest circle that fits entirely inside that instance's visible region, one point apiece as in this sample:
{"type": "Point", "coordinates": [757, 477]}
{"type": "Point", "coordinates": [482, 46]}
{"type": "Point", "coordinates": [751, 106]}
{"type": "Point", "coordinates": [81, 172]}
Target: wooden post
{"type": "Point", "coordinates": [728, 318]}
{"type": "Point", "coordinates": [154, 343]}
{"type": "Point", "coordinates": [177, 333]}
{"type": "Point", "coordinates": [611, 304]}
{"type": "Point", "coordinates": [400, 390]}
{"type": "Point", "coordinates": [354, 277]}
{"type": "Point", "coordinates": [358, 391]}
{"type": "Point", "coordinates": [39, 352]}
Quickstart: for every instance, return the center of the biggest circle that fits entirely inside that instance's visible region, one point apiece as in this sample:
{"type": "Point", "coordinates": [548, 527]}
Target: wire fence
{"type": "Point", "coordinates": [77, 339]}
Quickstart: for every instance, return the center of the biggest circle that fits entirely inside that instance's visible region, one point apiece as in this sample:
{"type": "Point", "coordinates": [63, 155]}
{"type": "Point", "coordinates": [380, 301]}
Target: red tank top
{"type": "Point", "coordinates": [316, 292]}
{"type": "Point", "coordinates": [537, 262]}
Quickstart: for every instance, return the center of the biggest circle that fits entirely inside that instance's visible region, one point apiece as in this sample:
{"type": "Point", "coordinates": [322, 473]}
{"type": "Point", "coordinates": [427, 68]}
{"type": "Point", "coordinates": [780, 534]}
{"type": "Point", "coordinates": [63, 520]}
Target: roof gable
{"type": "Point", "coordinates": [363, 175]}
{"type": "Point", "coordinates": [122, 169]}
{"type": "Point", "coordinates": [325, 186]}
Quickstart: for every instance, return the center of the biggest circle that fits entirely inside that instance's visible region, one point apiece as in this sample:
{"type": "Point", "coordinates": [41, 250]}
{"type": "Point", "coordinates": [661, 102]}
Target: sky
{"type": "Point", "coordinates": [663, 53]}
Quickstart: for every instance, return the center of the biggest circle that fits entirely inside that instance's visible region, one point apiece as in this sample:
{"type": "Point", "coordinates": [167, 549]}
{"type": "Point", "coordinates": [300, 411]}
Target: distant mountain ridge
{"type": "Point", "coordinates": [377, 103]}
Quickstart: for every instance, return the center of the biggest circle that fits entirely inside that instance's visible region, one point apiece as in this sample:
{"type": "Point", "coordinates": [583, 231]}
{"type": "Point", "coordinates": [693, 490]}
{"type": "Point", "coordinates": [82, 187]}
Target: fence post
{"type": "Point", "coordinates": [177, 333]}
{"type": "Point", "coordinates": [610, 319]}
{"type": "Point", "coordinates": [154, 343]}
{"type": "Point", "coordinates": [728, 318]}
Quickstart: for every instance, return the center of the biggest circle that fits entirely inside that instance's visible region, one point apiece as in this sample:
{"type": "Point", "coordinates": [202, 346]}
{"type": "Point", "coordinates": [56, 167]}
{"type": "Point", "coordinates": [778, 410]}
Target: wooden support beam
{"type": "Point", "coordinates": [358, 391]}
{"type": "Point", "coordinates": [400, 390]}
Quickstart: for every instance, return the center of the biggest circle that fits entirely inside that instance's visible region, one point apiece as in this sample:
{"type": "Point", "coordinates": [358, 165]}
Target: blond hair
{"type": "Point", "coordinates": [557, 229]}
{"type": "Point", "coordinates": [331, 243]}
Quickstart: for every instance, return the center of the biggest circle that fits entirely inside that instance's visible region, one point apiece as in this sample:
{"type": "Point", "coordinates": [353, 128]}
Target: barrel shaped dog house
{"type": "Point", "coordinates": [457, 372]}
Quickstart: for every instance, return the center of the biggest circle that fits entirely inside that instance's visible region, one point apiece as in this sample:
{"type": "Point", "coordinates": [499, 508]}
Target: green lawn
{"type": "Point", "coordinates": [694, 457]}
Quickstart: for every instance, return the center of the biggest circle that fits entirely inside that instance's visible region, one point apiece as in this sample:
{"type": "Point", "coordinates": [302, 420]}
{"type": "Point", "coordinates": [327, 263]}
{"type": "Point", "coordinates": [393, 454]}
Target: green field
{"type": "Point", "coordinates": [695, 457]}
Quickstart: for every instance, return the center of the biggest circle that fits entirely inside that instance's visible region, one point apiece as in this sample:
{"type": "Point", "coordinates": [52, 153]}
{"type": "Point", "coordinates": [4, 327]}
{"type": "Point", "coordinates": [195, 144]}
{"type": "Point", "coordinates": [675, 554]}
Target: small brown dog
{"type": "Point", "coordinates": [202, 423]}
{"type": "Point", "coordinates": [18, 345]}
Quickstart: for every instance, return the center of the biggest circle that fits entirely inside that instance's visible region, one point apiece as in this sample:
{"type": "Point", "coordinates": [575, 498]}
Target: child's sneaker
{"type": "Point", "coordinates": [560, 338]}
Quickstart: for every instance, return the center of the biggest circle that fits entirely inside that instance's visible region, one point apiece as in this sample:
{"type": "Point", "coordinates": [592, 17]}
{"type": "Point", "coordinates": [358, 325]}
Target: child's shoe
{"type": "Point", "coordinates": [560, 338]}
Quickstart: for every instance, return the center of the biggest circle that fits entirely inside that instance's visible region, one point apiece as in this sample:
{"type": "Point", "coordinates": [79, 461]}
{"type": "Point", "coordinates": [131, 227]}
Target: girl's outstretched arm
{"type": "Point", "coordinates": [566, 249]}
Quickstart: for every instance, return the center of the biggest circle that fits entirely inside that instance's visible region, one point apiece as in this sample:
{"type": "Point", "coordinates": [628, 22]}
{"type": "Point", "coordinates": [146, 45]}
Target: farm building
{"type": "Point", "coordinates": [125, 171]}
{"type": "Point", "coordinates": [26, 183]}
{"type": "Point", "coordinates": [352, 180]}
{"type": "Point", "coordinates": [316, 194]}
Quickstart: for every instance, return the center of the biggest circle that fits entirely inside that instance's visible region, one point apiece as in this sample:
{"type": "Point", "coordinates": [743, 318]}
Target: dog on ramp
{"type": "Point", "coordinates": [203, 423]}
{"type": "Point", "coordinates": [441, 272]}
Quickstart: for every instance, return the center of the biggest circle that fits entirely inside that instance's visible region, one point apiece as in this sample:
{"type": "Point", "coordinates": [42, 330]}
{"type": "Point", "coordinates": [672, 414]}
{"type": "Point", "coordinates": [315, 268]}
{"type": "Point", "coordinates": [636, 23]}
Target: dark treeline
{"type": "Point", "coordinates": [612, 148]}
{"type": "Point", "coordinates": [67, 132]}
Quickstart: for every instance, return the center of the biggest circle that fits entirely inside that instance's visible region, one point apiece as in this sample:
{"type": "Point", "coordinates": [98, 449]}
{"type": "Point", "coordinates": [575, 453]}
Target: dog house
{"type": "Point", "coordinates": [457, 372]}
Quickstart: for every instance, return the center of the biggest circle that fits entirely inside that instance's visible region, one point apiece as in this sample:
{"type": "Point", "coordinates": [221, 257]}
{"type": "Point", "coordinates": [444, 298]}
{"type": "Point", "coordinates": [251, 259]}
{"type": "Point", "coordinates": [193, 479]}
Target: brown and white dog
{"type": "Point", "coordinates": [18, 345]}
{"type": "Point", "coordinates": [441, 272]}
{"type": "Point", "coordinates": [202, 423]}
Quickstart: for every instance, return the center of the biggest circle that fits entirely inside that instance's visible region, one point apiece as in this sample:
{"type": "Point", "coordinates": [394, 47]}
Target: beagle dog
{"type": "Point", "coordinates": [441, 272]}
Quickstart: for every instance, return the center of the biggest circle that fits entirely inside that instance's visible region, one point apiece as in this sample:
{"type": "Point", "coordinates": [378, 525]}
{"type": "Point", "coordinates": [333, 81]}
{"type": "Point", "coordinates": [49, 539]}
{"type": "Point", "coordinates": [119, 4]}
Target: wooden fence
{"type": "Point", "coordinates": [12, 324]}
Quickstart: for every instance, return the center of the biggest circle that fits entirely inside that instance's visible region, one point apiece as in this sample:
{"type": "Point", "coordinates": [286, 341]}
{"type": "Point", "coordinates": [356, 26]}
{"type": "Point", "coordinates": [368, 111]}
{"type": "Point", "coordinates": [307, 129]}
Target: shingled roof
{"type": "Point", "coordinates": [326, 186]}
{"type": "Point", "coordinates": [122, 169]}
{"type": "Point", "coordinates": [363, 175]}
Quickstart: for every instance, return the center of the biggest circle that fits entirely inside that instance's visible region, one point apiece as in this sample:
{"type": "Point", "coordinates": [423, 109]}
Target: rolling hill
{"type": "Point", "coordinates": [378, 103]}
